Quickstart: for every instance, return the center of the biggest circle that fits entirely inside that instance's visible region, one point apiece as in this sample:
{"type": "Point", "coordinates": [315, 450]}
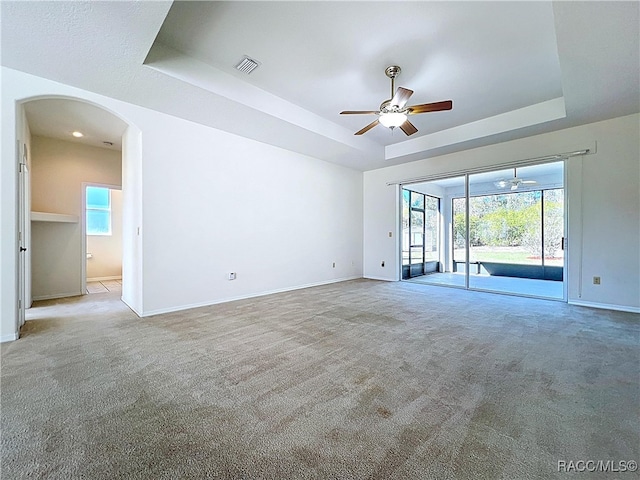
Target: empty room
{"type": "Point", "coordinates": [359, 240]}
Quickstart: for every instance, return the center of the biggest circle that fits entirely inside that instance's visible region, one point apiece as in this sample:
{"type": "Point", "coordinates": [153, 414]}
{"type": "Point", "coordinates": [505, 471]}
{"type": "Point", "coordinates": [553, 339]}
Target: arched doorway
{"type": "Point", "coordinates": [75, 143]}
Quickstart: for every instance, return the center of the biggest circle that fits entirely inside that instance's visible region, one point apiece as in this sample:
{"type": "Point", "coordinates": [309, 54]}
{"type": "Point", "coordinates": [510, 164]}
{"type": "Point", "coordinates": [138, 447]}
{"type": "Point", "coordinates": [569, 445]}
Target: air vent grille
{"type": "Point", "coordinates": [247, 65]}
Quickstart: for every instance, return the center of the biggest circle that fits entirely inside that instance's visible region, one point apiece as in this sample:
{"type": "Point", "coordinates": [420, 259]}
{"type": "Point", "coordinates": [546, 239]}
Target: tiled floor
{"type": "Point", "coordinates": [104, 286]}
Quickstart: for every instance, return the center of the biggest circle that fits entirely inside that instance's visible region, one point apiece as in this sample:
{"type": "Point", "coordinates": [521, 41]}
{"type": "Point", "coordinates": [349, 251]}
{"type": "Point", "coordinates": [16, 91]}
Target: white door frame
{"type": "Point", "coordinates": [565, 233]}
{"type": "Point", "coordinates": [83, 226]}
{"type": "Point", "coordinates": [24, 234]}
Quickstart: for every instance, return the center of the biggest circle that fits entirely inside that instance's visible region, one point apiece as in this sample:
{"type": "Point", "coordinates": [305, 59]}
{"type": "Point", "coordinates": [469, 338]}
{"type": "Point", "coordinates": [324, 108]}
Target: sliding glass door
{"type": "Point", "coordinates": [505, 234]}
{"type": "Point", "coordinates": [516, 231]}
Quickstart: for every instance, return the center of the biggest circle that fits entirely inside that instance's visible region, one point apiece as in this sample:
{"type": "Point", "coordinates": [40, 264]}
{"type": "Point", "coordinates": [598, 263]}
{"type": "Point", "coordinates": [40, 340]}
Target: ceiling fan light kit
{"type": "Point", "coordinates": [394, 113]}
{"type": "Point", "coordinates": [514, 182]}
{"type": "Point", "coordinates": [392, 119]}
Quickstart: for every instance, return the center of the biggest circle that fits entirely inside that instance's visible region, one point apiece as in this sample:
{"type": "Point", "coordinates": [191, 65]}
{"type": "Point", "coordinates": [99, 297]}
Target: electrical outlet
{"type": "Point", "coordinates": [596, 280]}
{"type": "Point", "coordinates": [232, 276]}
{"type": "Point", "coordinates": [334, 264]}
{"type": "Point", "coordinates": [390, 234]}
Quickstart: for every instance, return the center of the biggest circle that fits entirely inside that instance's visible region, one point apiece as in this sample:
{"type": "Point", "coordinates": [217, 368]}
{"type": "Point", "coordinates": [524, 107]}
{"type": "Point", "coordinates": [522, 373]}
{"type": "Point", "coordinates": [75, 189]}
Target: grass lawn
{"type": "Point", "coordinates": [505, 255]}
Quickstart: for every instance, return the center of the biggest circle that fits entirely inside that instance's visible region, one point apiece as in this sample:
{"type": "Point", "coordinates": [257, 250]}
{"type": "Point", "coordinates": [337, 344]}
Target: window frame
{"type": "Point", "coordinates": [411, 246]}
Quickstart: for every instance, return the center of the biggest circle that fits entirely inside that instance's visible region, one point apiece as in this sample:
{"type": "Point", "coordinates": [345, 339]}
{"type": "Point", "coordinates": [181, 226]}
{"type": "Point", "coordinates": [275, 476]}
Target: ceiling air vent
{"type": "Point", "coordinates": [247, 65]}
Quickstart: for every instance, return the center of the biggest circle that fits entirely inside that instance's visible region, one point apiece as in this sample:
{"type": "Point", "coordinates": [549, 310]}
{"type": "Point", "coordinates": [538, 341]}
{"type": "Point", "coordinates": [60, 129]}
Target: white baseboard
{"type": "Point", "coordinates": [9, 338]}
{"type": "Point", "coordinates": [126, 302]}
{"type": "Point", "coordinates": [605, 306]}
{"type": "Point", "coordinates": [104, 279]}
{"type": "Point", "coordinates": [243, 297]}
{"type": "Point", "coordinates": [57, 295]}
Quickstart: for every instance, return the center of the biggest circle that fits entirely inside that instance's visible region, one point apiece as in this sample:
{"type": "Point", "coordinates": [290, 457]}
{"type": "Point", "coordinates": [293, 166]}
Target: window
{"type": "Point", "coordinates": [98, 211]}
{"type": "Point", "coordinates": [420, 233]}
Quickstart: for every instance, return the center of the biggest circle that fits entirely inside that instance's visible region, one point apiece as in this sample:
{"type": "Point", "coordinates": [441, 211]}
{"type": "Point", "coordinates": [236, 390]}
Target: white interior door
{"type": "Point", "coordinates": [24, 238]}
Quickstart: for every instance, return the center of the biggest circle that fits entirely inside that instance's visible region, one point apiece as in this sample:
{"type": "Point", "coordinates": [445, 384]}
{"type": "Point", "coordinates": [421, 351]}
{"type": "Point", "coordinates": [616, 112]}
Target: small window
{"type": "Point", "coordinates": [98, 211]}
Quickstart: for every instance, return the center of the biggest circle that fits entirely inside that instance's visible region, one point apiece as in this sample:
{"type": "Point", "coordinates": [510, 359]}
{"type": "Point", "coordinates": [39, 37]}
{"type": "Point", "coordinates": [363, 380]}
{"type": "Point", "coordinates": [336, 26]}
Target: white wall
{"type": "Point", "coordinates": [202, 203]}
{"type": "Point", "coordinates": [59, 170]}
{"type": "Point", "coordinates": [55, 260]}
{"type": "Point", "coordinates": [132, 254]}
{"type": "Point", "coordinates": [603, 203]}
{"type": "Point", "coordinates": [104, 252]}
{"type": "Point", "coordinates": [216, 203]}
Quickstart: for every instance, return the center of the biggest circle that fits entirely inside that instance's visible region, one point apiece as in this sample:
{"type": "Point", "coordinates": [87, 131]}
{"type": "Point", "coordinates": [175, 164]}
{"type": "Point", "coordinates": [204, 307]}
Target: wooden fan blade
{"type": "Point", "coordinates": [408, 128]}
{"type": "Point", "coordinates": [367, 128]}
{"type": "Point", "coordinates": [359, 112]}
{"type": "Point", "coordinates": [430, 107]}
{"type": "Point", "coordinates": [401, 97]}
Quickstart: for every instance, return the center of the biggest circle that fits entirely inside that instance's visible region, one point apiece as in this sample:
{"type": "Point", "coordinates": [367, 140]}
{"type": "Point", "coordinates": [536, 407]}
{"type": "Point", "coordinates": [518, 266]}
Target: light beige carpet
{"type": "Point", "coordinates": [360, 379]}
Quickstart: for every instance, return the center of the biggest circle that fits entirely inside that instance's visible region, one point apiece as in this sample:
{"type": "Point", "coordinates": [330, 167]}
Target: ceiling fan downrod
{"type": "Point", "coordinates": [392, 72]}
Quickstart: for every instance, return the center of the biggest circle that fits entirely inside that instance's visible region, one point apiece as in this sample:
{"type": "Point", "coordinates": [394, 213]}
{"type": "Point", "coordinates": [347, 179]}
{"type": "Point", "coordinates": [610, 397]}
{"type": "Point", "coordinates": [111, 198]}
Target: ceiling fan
{"type": "Point", "coordinates": [394, 112]}
{"type": "Point", "coordinates": [514, 182]}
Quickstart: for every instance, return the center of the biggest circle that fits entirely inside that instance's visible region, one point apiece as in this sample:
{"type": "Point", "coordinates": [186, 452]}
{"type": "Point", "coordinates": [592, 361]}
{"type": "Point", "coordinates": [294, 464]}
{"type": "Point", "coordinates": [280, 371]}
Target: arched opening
{"type": "Point", "coordinates": [64, 145]}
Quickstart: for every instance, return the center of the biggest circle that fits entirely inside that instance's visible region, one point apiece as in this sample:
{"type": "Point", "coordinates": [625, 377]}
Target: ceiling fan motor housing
{"type": "Point", "coordinates": [386, 107]}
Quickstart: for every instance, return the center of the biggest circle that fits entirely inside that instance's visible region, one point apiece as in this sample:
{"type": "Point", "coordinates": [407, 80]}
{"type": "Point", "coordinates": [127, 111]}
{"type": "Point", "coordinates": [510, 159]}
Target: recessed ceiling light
{"type": "Point", "coordinates": [77, 134]}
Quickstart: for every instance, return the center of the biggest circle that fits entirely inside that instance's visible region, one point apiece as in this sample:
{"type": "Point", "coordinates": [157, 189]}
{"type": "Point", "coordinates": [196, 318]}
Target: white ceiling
{"type": "Point", "coordinates": [59, 118]}
{"type": "Point", "coordinates": [555, 64]}
{"type": "Point", "coordinates": [328, 57]}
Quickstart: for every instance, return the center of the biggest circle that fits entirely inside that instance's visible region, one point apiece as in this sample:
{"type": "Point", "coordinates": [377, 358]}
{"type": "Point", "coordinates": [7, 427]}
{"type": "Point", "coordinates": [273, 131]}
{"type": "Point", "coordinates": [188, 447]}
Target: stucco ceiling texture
{"type": "Point", "coordinates": [512, 69]}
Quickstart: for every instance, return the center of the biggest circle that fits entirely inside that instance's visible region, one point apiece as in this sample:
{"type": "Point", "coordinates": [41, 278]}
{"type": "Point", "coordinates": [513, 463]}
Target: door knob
{"type": "Point", "coordinates": [23, 249]}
